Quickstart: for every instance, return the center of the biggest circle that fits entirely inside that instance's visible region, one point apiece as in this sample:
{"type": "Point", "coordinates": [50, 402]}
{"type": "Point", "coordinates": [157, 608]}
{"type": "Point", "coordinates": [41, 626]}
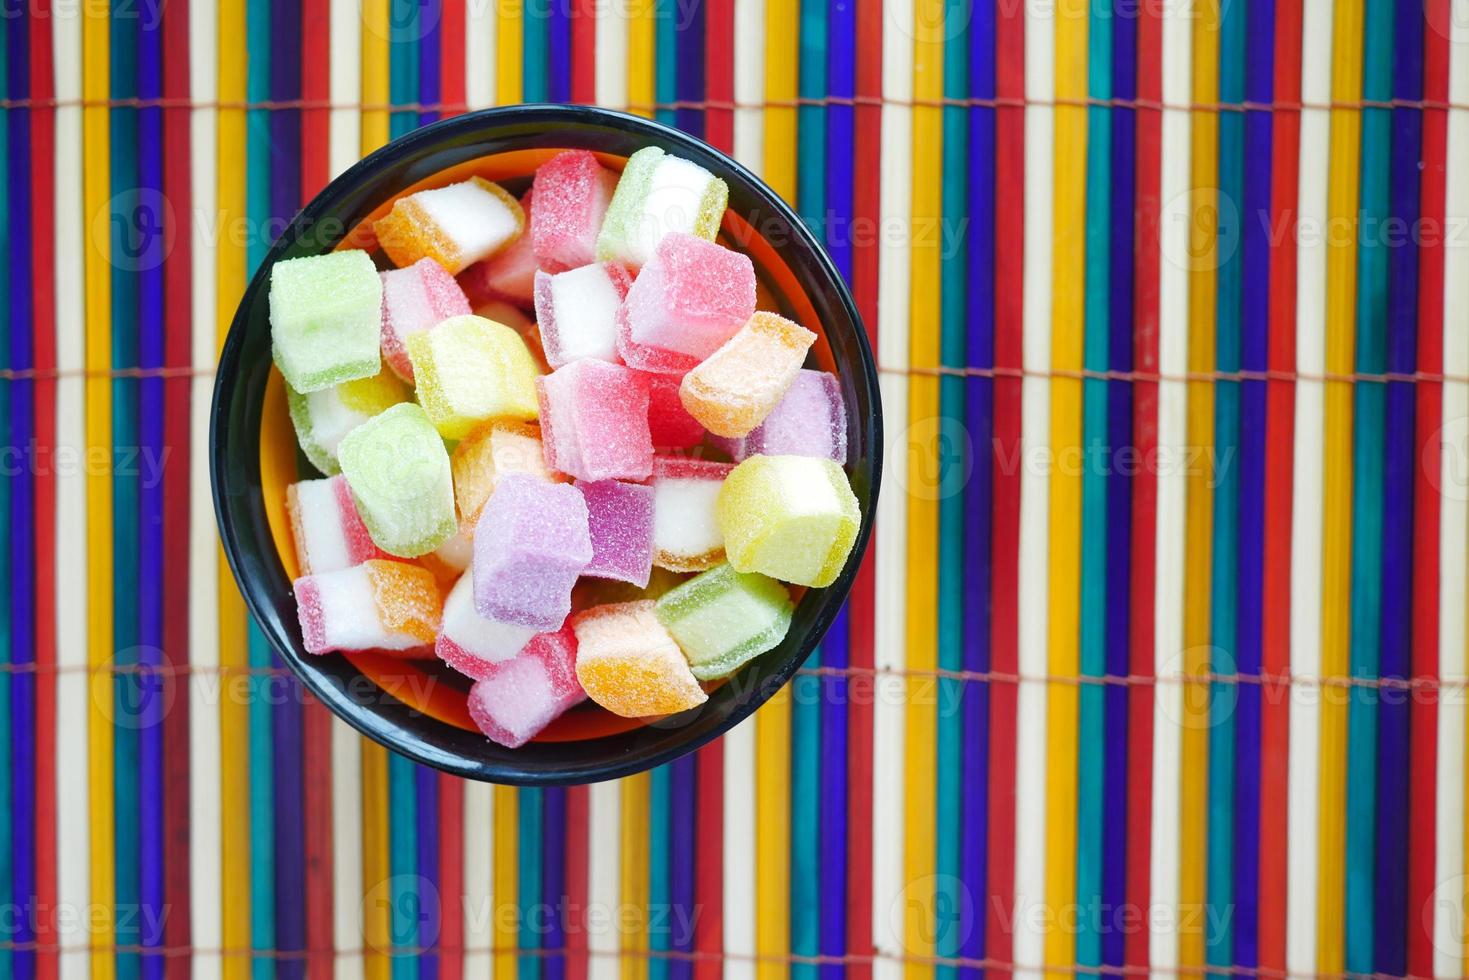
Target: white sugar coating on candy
{"type": "Point", "coordinates": [471, 370]}
{"type": "Point", "coordinates": [458, 551]}
{"type": "Point", "coordinates": [686, 532]}
{"type": "Point", "coordinates": [531, 543]}
{"type": "Point", "coordinates": [515, 701]}
{"type": "Point", "coordinates": [722, 619]}
{"type": "Point", "coordinates": [508, 275]}
{"type": "Point", "coordinates": [488, 453]}
{"type": "Point", "coordinates": [594, 421]}
{"type": "Point", "coordinates": [690, 298]}
{"type": "Point", "coordinates": [628, 663]}
{"type": "Point", "coordinates": [793, 518]}
{"type": "Point", "coordinates": [574, 191]}
{"type": "Point", "coordinates": [811, 420]}
{"type": "Point", "coordinates": [620, 519]}
{"type": "Point", "coordinates": [342, 610]}
{"type": "Point", "coordinates": [415, 299]}
{"type": "Point", "coordinates": [469, 642]}
{"type": "Point", "coordinates": [659, 194]}
{"type": "Point", "coordinates": [577, 312]}
{"type": "Point", "coordinates": [458, 225]}
{"type": "Point", "coordinates": [320, 308]}
{"type": "Point", "coordinates": [398, 470]}
{"type": "Point", "coordinates": [329, 533]}
{"type": "Point", "coordinates": [323, 418]}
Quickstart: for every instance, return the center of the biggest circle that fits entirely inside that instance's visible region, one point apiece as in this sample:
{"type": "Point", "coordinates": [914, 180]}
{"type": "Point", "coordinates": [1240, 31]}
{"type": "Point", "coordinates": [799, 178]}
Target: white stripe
{"type": "Point", "coordinates": [604, 879]}
{"type": "Point", "coordinates": [610, 75]}
{"type": "Point", "coordinates": [889, 720]}
{"type": "Point", "coordinates": [749, 83]}
{"type": "Point", "coordinates": [739, 851]}
{"type": "Point", "coordinates": [204, 684]}
{"type": "Point", "coordinates": [1173, 186]}
{"type": "Point", "coordinates": [1035, 428]}
{"type": "Point", "coordinates": [1306, 530]}
{"type": "Point", "coordinates": [346, 88]}
{"type": "Point", "coordinates": [73, 850]}
{"type": "Point", "coordinates": [479, 879]}
{"type": "Point", "coordinates": [480, 25]}
{"type": "Point", "coordinates": [346, 750]}
{"type": "Point", "coordinates": [1449, 912]}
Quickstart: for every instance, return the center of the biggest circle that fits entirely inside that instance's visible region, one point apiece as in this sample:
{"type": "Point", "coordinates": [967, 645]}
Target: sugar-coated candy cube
{"type": "Point", "coordinates": [470, 643]}
{"type": "Point", "coordinates": [811, 420]}
{"type": "Point", "coordinates": [656, 195]}
{"type": "Point", "coordinates": [487, 454]}
{"type": "Point", "coordinates": [322, 418]}
{"type": "Point", "coordinates": [690, 298]}
{"type": "Point", "coordinates": [398, 470]}
{"type": "Point", "coordinates": [722, 619]}
{"type": "Point", "coordinates": [517, 699]}
{"type": "Point", "coordinates": [686, 534]}
{"type": "Point", "coordinates": [449, 560]}
{"type": "Point", "coordinates": [415, 299]}
{"type": "Point", "coordinates": [328, 530]}
{"type": "Point", "coordinates": [620, 518]}
{"type": "Point", "coordinates": [669, 423]}
{"type": "Point", "coordinates": [600, 591]}
{"type": "Point", "coordinates": [794, 518]}
{"type": "Point", "coordinates": [594, 421]}
{"type": "Point", "coordinates": [509, 274]}
{"type": "Point", "coordinates": [530, 544]}
{"type": "Point", "coordinates": [577, 312]}
{"type": "Point", "coordinates": [471, 370]}
{"type": "Point", "coordinates": [325, 318]}
{"type": "Point", "coordinates": [627, 662]}
{"type": "Point", "coordinates": [456, 225]}
{"type": "Point", "coordinates": [733, 390]}
{"type": "Point", "coordinates": [573, 190]}
{"type": "Point", "coordinates": [378, 605]}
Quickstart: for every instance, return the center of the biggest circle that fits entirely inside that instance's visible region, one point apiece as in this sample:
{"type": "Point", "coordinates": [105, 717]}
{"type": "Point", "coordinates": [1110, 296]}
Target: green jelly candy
{"type": "Point", "coordinates": [326, 319]}
{"type": "Point", "coordinates": [398, 470]}
{"type": "Point", "coordinates": [722, 619]}
{"type": "Point", "coordinates": [658, 194]}
{"type": "Point", "coordinates": [323, 418]}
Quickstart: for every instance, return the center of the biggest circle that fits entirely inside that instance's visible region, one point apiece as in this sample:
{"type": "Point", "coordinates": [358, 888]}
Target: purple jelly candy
{"type": "Point", "coordinates": [530, 544]}
{"type": "Point", "coordinates": [620, 516]}
{"type": "Point", "coordinates": [811, 420]}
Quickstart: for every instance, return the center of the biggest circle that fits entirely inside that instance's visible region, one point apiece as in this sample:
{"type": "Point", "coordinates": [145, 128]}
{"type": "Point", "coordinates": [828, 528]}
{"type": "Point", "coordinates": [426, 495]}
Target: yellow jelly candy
{"type": "Point", "coordinates": [793, 518]}
{"type": "Point", "coordinates": [471, 370]}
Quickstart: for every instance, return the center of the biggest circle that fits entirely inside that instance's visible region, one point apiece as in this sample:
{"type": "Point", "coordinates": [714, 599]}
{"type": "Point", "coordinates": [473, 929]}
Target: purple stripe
{"type": "Point", "coordinates": [553, 878]}
{"type": "Point", "coordinates": [688, 27]}
{"type": "Point", "coordinates": [682, 788]}
{"type": "Point", "coordinates": [430, 902]}
{"type": "Point", "coordinates": [558, 51]}
{"type": "Point", "coordinates": [430, 54]}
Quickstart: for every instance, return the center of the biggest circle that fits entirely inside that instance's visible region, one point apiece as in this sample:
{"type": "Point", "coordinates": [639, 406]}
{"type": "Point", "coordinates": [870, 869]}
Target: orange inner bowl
{"type": "Point", "coordinates": [421, 684]}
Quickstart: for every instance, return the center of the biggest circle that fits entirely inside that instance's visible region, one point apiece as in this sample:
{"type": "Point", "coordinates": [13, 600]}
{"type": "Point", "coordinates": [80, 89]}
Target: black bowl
{"type": "Point", "coordinates": [235, 450]}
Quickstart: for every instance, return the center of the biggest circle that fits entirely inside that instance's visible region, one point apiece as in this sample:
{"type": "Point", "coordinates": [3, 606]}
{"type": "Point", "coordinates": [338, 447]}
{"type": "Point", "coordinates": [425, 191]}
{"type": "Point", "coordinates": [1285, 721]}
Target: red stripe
{"type": "Point", "coordinates": [315, 87]}
{"type": "Point", "coordinates": [177, 395]}
{"type": "Point", "coordinates": [577, 842]}
{"type": "Point", "coordinates": [451, 54]}
{"type": "Point", "coordinates": [719, 72]}
{"type": "Point", "coordinates": [1423, 733]}
{"type": "Point", "coordinates": [316, 724]}
{"type": "Point", "coordinates": [43, 296]}
{"type": "Point", "coordinates": [709, 875]}
{"type": "Point", "coordinates": [866, 188]}
{"type": "Point", "coordinates": [451, 873]}
{"type": "Point", "coordinates": [1145, 486]}
{"type": "Point", "coordinates": [584, 51]}
{"type": "Point", "coordinates": [1005, 594]}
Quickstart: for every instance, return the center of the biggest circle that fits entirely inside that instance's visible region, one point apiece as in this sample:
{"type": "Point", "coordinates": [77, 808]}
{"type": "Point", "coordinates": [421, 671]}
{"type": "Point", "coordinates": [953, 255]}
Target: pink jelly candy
{"type": "Point", "coordinates": [329, 532]}
{"type": "Point", "coordinates": [686, 534]}
{"type": "Point", "coordinates": [377, 605]}
{"type": "Point", "coordinates": [620, 517]}
{"type": "Point", "coordinates": [531, 543]}
{"type": "Point", "coordinates": [811, 420]}
{"type": "Point", "coordinates": [573, 191]}
{"type": "Point", "coordinates": [690, 298]}
{"type": "Point", "coordinates": [517, 699]}
{"type": "Point", "coordinates": [470, 643]}
{"type": "Point", "coordinates": [415, 299]}
{"type": "Point", "coordinates": [594, 421]}
{"type": "Point", "coordinates": [577, 312]}
{"type": "Point", "coordinates": [669, 423]}
{"type": "Point", "coordinates": [509, 274]}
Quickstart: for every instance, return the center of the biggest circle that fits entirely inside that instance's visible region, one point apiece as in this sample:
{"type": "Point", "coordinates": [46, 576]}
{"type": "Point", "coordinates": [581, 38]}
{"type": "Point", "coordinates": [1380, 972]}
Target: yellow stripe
{"type": "Point", "coordinates": [919, 791]}
{"type": "Point", "coordinates": [509, 52]}
{"type": "Point", "coordinates": [1336, 515]}
{"type": "Point", "coordinates": [506, 890]}
{"type": "Point", "coordinates": [635, 873]}
{"type": "Point", "coordinates": [375, 34]}
{"type": "Point", "coordinates": [641, 40]}
{"type": "Point", "coordinates": [234, 748]}
{"type": "Point", "coordinates": [96, 142]}
{"type": "Point", "coordinates": [782, 57]}
{"type": "Point", "coordinates": [377, 929]}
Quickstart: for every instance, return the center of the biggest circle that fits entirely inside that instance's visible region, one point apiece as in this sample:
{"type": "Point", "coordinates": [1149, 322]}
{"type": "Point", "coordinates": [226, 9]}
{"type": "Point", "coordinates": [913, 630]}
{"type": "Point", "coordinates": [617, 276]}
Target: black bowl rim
{"type": "Point", "coordinates": [366, 719]}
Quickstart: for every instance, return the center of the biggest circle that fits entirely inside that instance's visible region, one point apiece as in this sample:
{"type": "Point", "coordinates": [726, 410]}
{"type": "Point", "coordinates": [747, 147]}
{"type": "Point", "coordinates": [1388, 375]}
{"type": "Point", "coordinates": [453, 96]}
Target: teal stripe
{"type": "Point", "coordinates": [403, 65]}
{"type": "Point", "coordinates": [1367, 489]}
{"type": "Point", "coordinates": [257, 127]}
{"type": "Point", "coordinates": [665, 63]}
{"type": "Point", "coordinates": [7, 870]}
{"type": "Point", "coordinates": [658, 843]}
{"type": "Point", "coordinates": [811, 119]}
{"type": "Point", "coordinates": [805, 818]}
{"type": "Point", "coordinates": [1091, 732]}
{"type": "Point", "coordinates": [529, 967]}
{"type": "Point", "coordinates": [535, 34]}
{"type": "Point", "coordinates": [404, 890]}
{"type": "Point", "coordinates": [953, 272]}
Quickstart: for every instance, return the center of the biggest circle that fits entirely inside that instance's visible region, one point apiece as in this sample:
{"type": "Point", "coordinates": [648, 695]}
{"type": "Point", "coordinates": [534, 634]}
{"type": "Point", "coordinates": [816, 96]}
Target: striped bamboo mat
{"type": "Point", "coordinates": [1157, 663]}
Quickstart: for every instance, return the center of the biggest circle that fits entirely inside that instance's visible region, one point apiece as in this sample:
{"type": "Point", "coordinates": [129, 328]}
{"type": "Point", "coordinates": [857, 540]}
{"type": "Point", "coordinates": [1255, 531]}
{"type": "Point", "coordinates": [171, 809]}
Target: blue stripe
{"type": "Point", "coordinates": [405, 890]}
